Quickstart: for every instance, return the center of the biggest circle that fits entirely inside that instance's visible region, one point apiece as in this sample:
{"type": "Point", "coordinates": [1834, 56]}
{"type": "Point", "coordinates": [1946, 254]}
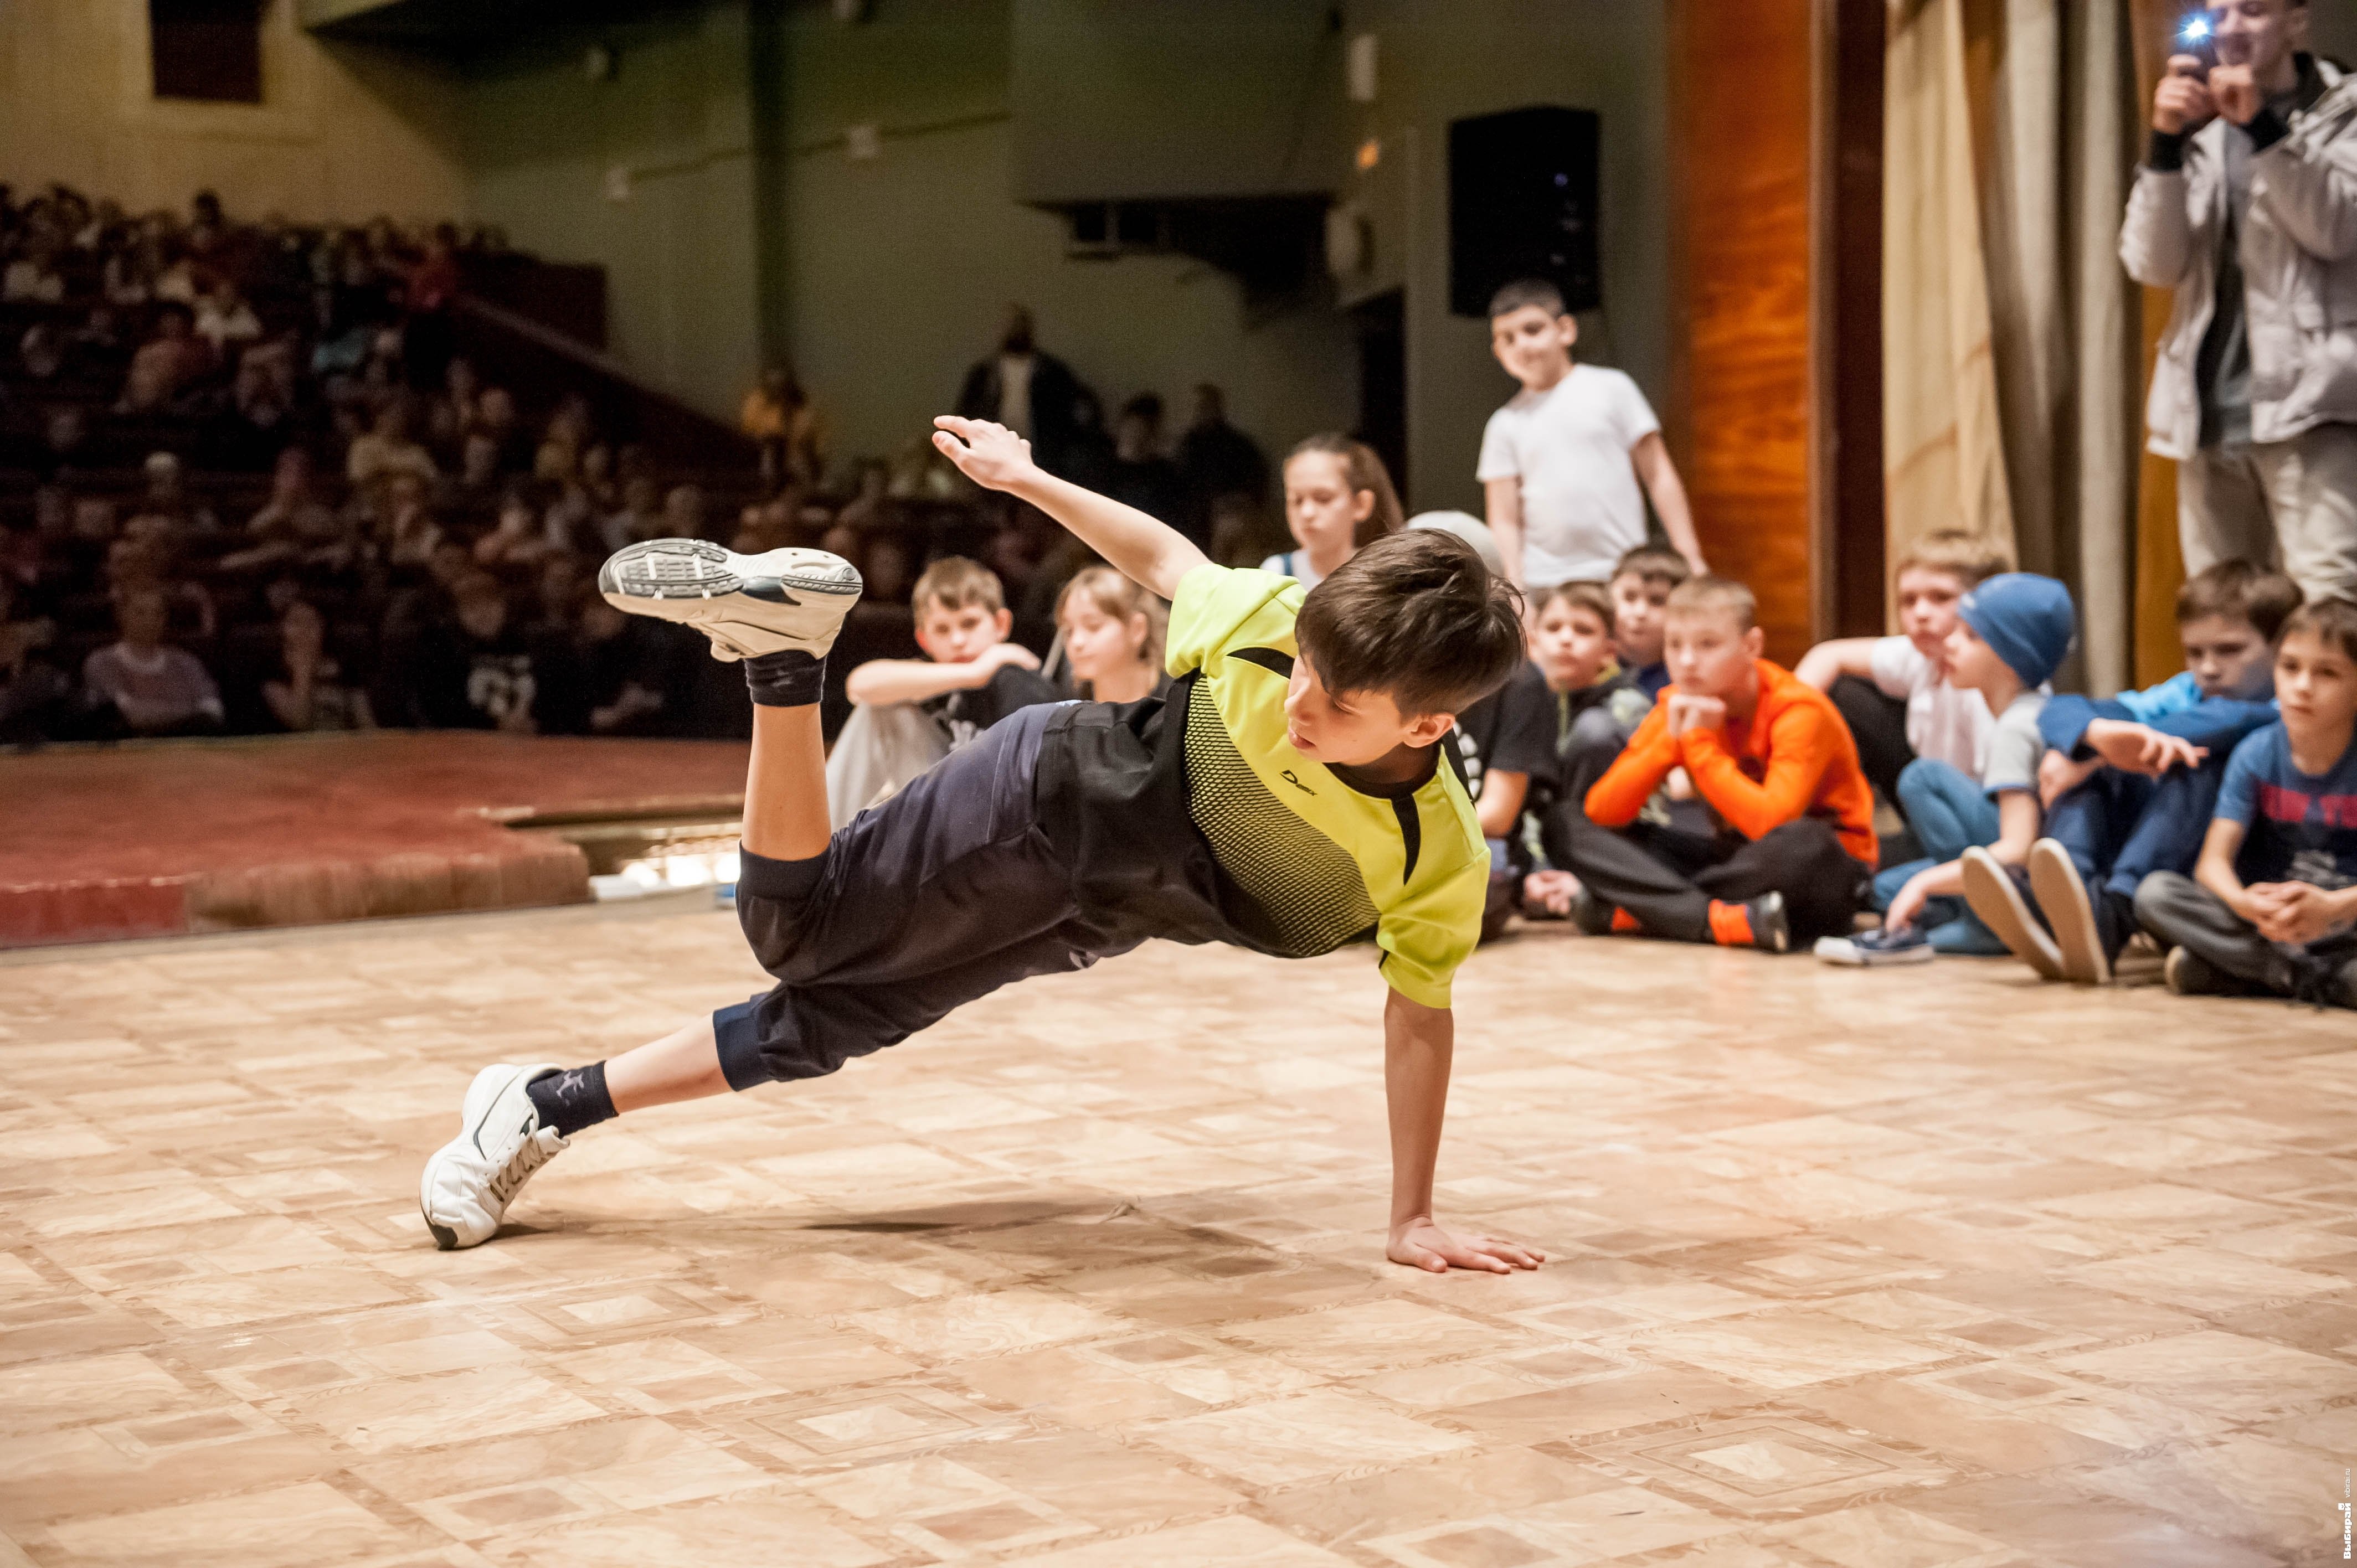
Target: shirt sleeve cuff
{"type": "Point", "coordinates": [2267, 128]}
{"type": "Point", "coordinates": [2167, 153]}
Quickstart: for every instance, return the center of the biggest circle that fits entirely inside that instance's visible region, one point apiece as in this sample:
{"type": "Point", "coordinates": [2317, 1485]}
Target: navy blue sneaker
{"type": "Point", "coordinates": [1873, 949]}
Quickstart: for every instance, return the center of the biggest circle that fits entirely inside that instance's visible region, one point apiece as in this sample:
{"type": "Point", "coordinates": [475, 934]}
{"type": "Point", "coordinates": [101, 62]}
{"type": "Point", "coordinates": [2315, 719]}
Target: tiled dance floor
{"type": "Point", "coordinates": [1923, 1270]}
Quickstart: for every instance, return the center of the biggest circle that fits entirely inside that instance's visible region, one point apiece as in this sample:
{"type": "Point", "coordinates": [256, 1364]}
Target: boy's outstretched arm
{"type": "Point", "coordinates": [1418, 1042]}
{"type": "Point", "coordinates": [1149, 554]}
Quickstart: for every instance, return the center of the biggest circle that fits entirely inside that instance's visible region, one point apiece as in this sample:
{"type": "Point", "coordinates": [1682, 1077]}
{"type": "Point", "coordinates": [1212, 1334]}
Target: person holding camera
{"type": "Point", "coordinates": [2247, 207]}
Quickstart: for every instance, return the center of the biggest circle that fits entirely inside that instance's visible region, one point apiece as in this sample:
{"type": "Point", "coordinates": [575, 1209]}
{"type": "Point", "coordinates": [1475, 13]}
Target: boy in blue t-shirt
{"type": "Point", "coordinates": [2271, 904]}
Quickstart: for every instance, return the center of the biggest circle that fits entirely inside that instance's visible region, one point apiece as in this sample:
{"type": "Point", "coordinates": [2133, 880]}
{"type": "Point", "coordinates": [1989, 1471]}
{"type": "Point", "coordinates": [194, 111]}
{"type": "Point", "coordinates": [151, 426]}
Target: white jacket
{"type": "Point", "coordinates": [2299, 272]}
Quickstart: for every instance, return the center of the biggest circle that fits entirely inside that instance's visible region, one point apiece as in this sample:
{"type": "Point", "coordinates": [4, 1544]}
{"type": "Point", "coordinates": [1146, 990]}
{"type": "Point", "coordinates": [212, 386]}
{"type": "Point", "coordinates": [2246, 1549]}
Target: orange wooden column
{"type": "Point", "coordinates": [1739, 427]}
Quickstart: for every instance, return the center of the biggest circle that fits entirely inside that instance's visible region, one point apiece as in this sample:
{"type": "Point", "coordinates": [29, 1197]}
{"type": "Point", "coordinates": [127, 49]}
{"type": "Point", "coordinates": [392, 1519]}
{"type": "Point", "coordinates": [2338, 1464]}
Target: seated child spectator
{"type": "Point", "coordinates": [2271, 907]}
{"type": "Point", "coordinates": [1642, 583]}
{"type": "Point", "coordinates": [1338, 500]}
{"type": "Point", "coordinates": [1894, 692]}
{"type": "Point", "coordinates": [1771, 759]}
{"type": "Point", "coordinates": [1561, 461]}
{"type": "Point", "coordinates": [910, 713]}
{"type": "Point", "coordinates": [1583, 691]}
{"type": "Point", "coordinates": [309, 691]}
{"type": "Point", "coordinates": [1639, 589]}
{"type": "Point", "coordinates": [1112, 632]}
{"type": "Point", "coordinates": [1503, 749]}
{"type": "Point", "coordinates": [151, 688]}
{"type": "Point", "coordinates": [2129, 784]}
{"type": "Point", "coordinates": [2012, 633]}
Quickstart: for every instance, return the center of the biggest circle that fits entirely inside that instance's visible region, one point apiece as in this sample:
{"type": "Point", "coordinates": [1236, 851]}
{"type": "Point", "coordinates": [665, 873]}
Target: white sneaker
{"type": "Point", "coordinates": [2061, 895]}
{"type": "Point", "coordinates": [471, 1179]}
{"type": "Point", "coordinates": [747, 605]}
{"type": "Point", "coordinates": [1995, 893]}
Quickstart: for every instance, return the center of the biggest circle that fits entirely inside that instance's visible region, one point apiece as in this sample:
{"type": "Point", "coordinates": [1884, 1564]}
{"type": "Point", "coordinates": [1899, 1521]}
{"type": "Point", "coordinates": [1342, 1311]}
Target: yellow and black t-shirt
{"type": "Point", "coordinates": [1314, 857]}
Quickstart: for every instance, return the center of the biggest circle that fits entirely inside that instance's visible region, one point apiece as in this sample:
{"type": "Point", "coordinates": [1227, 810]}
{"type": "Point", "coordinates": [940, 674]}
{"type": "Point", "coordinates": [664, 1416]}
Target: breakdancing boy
{"type": "Point", "coordinates": [1287, 796]}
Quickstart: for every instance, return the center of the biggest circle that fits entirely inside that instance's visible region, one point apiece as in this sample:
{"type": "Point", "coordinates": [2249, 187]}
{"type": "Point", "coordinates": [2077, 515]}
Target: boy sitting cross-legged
{"type": "Point", "coordinates": [1589, 695]}
{"type": "Point", "coordinates": [1895, 692]}
{"type": "Point", "coordinates": [2272, 902]}
{"type": "Point", "coordinates": [1289, 795]}
{"type": "Point", "coordinates": [2012, 633]}
{"type": "Point", "coordinates": [909, 713]}
{"type": "Point", "coordinates": [2129, 784]}
{"type": "Point", "coordinates": [1768, 756]}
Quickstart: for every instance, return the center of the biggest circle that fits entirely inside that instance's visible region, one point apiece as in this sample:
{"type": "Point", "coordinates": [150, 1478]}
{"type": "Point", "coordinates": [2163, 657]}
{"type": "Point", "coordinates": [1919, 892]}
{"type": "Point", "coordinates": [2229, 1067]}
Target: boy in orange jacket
{"type": "Point", "coordinates": [1795, 848]}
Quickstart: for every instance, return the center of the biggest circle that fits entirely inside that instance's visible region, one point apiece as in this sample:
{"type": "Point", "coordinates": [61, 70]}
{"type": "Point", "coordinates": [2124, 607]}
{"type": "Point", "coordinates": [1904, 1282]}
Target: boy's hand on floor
{"type": "Point", "coordinates": [990, 454]}
{"type": "Point", "coordinates": [1907, 906]}
{"type": "Point", "coordinates": [2058, 776]}
{"type": "Point", "coordinates": [1426, 1244]}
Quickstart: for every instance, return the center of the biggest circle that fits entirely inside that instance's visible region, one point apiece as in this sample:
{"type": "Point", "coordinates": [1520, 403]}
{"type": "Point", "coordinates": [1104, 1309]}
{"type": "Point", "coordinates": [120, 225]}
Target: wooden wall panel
{"type": "Point", "coordinates": [1741, 161]}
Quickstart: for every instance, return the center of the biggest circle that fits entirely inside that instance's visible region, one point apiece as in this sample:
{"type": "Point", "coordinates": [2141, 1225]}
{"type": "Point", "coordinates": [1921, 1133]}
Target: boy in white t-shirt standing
{"type": "Point", "coordinates": [1561, 461]}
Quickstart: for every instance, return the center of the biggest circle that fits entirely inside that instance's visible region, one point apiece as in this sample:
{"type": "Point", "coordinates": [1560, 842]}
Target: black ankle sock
{"type": "Point", "coordinates": [572, 1100]}
{"type": "Point", "coordinates": [788, 678]}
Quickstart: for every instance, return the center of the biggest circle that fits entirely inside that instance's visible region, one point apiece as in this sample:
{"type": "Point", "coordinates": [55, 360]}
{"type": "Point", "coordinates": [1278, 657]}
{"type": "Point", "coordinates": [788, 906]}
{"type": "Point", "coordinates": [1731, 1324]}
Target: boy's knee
{"type": "Point", "coordinates": [1926, 776]}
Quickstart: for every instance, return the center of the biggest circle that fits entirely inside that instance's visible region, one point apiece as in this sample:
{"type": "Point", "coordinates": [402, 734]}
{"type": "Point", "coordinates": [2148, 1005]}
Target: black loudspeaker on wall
{"type": "Point", "coordinates": [1521, 204]}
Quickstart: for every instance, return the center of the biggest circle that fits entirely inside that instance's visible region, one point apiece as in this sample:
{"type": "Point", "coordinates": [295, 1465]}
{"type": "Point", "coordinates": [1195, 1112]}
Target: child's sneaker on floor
{"type": "Point", "coordinates": [1995, 892]}
{"type": "Point", "coordinates": [2188, 974]}
{"type": "Point", "coordinates": [471, 1179]}
{"type": "Point", "coordinates": [747, 605]}
{"type": "Point", "coordinates": [1756, 923]}
{"type": "Point", "coordinates": [2062, 896]}
{"type": "Point", "coordinates": [1592, 915]}
{"type": "Point", "coordinates": [1873, 950]}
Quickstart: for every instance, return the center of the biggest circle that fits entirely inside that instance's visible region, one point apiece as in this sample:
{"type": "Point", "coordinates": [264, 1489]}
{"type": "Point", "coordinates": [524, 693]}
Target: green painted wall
{"type": "Point", "coordinates": [679, 249]}
{"type": "Point", "coordinates": [895, 271]}
{"type": "Point", "coordinates": [1445, 60]}
{"type": "Point", "coordinates": [750, 228]}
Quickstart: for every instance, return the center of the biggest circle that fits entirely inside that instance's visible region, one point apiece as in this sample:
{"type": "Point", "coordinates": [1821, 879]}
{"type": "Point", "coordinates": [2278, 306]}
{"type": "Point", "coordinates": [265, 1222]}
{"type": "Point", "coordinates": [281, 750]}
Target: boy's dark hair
{"type": "Point", "coordinates": [1527, 291]}
{"type": "Point", "coordinates": [1593, 598]}
{"type": "Point", "coordinates": [1659, 567]}
{"type": "Point", "coordinates": [955, 583]}
{"type": "Point", "coordinates": [2332, 622]}
{"type": "Point", "coordinates": [2239, 591]}
{"type": "Point", "coordinates": [1706, 594]}
{"type": "Point", "coordinates": [1418, 616]}
{"type": "Point", "coordinates": [1951, 550]}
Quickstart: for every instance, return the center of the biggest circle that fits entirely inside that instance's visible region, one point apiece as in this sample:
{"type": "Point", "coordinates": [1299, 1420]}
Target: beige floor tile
{"type": "Point", "coordinates": [1090, 1273]}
